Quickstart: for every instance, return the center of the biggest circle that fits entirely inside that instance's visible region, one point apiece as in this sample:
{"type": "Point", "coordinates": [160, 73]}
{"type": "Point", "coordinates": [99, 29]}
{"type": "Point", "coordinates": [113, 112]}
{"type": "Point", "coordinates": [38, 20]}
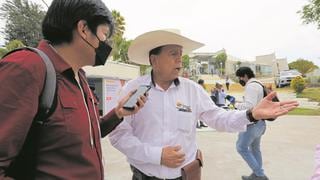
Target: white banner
{"type": "Point", "coordinates": [111, 92]}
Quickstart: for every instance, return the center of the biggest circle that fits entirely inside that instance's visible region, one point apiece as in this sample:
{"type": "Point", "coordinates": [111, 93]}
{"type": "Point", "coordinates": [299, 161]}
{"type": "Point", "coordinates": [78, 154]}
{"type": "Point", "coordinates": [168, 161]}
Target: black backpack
{"type": "Point", "coordinates": [23, 166]}
{"type": "Point", "coordinates": [266, 91]}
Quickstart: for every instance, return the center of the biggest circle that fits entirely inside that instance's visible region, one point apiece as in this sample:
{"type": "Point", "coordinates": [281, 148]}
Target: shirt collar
{"type": "Point", "coordinates": [60, 65]}
{"type": "Point", "coordinates": [250, 80]}
{"type": "Point", "coordinates": [176, 81]}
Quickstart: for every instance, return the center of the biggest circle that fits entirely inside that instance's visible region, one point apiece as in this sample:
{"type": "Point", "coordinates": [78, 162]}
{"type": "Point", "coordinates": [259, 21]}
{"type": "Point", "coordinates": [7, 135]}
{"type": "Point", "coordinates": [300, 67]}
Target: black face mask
{"type": "Point", "coordinates": [102, 52]}
{"type": "Point", "coordinates": [242, 82]}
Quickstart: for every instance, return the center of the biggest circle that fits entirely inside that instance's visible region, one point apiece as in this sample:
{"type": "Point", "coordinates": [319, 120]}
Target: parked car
{"type": "Point", "coordinates": [284, 77]}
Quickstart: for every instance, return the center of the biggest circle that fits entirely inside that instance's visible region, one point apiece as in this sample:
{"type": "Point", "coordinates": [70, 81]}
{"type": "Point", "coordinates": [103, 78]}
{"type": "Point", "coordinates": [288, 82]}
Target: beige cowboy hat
{"type": "Point", "coordinates": [138, 51]}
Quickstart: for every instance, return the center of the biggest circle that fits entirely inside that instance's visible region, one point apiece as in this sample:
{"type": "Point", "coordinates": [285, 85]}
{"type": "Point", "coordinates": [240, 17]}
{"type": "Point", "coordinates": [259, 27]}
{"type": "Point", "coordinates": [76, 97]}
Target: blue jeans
{"type": "Point", "coordinates": [248, 146]}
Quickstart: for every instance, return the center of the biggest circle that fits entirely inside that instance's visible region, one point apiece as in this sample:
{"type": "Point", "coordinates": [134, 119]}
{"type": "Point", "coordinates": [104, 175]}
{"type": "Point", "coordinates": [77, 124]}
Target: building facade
{"type": "Point", "coordinates": [264, 65]}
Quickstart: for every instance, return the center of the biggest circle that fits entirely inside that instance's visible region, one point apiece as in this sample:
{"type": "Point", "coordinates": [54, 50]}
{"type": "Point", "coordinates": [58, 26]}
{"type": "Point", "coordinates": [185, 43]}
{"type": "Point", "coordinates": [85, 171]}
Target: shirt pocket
{"type": "Point", "coordinates": [72, 115]}
{"type": "Point", "coordinates": [184, 121]}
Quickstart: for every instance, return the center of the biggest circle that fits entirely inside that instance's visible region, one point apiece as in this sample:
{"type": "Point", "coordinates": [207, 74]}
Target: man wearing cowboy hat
{"type": "Point", "coordinates": [161, 138]}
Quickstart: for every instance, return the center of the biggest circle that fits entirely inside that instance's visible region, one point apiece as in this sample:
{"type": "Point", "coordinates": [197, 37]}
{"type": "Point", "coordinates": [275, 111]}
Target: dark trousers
{"type": "Point", "coordinates": [227, 85]}
{"type": "Point", "coordinates": [138, 175]}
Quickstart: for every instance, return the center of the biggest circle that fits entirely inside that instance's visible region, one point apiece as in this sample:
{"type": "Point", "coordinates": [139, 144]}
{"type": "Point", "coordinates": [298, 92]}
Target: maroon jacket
{"type": "Point", "coordinates": [69, 145]}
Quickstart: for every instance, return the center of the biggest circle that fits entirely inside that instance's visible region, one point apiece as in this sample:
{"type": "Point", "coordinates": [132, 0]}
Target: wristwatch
{"type": "Point", "coordinates": [250, 116]}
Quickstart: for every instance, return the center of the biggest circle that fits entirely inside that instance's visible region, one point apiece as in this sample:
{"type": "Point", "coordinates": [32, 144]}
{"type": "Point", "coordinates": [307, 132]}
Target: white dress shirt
{"type": "Point", "coordinates": [162, 123]}
{"type": "Point", "coordinates": [253, 94]}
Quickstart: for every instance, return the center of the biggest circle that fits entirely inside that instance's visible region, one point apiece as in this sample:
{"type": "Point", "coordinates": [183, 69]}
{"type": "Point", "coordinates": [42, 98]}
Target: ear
{"type": "Point", "coordinates": [152, 59]}
{"type": "Point", "coordinates": [82, 28]}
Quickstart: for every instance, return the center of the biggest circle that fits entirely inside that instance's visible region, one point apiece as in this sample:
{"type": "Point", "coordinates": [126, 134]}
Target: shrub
{"type": "Point", "coordinates": [298, 84]}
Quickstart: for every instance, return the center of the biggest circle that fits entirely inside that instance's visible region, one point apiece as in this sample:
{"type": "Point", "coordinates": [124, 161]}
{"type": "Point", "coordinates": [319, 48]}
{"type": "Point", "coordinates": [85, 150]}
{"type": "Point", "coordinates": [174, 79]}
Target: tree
{"type": "Point", "coordinates": [123, 52]}
{"type": "Point", "coordinates": [311, 12]}
{"type": "Point", "coordinates": [185, 61]}
{"type": "Point", "coordinates": [221, 61]}
{"type": "Point", "coordinates": [11, 46]}
{"type": "Point", "coordinates": [23, 21]}
{"type": "Point", "coordinates": [120, 44]}
{"type": "Point", "coordinates": [238, 64]}
{"type": "Point", "coordinates": [119, 22]}
{"type": "Point", "coordinates": [143, 69]}
{"type": "Point", "coordinates": [303, 66]}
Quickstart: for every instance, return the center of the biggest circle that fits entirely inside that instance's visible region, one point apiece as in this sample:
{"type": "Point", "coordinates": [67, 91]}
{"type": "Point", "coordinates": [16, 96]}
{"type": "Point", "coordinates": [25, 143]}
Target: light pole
{"type": "Point", "coordinates": [221, 68]}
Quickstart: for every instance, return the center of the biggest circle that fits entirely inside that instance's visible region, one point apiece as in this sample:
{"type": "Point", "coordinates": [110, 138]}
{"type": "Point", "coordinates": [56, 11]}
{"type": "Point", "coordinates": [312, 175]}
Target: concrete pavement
{"type": "Point", "coordinates": [288, 152]}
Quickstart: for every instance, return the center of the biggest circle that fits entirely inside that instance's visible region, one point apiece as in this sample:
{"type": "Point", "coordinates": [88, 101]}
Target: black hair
{"type": "Point", "coordinates": [242, 71]}
{"type": "Point", "coordinates": [201, 81]}
{"type": "Point", "coordinates": [155, 51]}
{"type": "Point", "coordinates": [63, 15]}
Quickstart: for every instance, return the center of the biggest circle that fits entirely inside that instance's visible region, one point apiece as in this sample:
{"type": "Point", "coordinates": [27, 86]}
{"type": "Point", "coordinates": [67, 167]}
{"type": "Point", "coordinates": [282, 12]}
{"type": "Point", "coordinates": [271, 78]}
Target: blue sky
{"type": "Point", "coordinates": [245, 28]}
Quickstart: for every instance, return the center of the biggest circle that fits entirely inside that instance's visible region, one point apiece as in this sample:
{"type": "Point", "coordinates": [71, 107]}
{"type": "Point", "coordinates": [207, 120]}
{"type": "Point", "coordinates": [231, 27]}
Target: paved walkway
{"type": "Point", "coordinates": [288, 151]}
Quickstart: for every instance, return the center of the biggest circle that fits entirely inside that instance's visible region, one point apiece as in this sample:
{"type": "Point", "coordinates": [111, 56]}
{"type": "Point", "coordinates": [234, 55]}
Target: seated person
{"type": "Point", "coordinates": [219, 94]}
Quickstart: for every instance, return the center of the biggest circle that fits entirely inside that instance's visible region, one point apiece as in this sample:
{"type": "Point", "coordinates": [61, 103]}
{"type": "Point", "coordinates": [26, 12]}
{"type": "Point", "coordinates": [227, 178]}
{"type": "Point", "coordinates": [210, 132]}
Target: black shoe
{"type": "Point", "coordinates": [202, 124]}
{"type": "Point", "coordinates": [254, 177]}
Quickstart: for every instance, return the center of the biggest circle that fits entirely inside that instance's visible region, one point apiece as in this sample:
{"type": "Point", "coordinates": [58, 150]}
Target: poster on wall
{"type": "Point", "coordinates": [111, 93]}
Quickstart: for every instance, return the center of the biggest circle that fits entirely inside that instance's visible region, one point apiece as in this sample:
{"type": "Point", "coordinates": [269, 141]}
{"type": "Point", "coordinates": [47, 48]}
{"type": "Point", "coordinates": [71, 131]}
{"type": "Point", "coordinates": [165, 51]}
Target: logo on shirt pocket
{"type": "Point", "coordinates": [182, 107]}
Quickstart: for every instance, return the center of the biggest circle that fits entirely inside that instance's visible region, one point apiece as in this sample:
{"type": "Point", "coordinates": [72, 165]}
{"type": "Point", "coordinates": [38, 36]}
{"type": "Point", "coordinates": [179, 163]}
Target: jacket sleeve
{"type": "Point", "coordinates": [109, 122]}
{"type": "Point", "coordinates": [19, 96]}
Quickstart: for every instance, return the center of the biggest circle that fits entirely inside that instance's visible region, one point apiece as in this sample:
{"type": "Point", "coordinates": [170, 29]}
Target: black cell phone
{"type": "Point", "coordinates": [132, 101]}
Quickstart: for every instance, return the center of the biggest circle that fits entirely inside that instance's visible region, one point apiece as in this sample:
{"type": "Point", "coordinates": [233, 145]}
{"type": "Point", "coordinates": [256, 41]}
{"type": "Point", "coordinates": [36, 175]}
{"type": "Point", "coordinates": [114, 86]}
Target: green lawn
{"type": "Point", "coordinates": [311, 93]}
{"type": "Point", "coordinates": [304, 111]}
{"type": "Point", "coordinates": [314, 95]}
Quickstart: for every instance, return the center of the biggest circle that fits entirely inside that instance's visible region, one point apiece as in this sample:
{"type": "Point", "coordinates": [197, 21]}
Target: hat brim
{"type": "Point", "coordinates": [138, 51]}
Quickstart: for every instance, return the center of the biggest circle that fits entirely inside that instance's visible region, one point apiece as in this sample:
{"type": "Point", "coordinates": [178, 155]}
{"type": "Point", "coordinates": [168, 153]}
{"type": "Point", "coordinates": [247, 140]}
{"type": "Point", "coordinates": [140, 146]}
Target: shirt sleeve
{"type": "Point", "coordinates": [316, 174]}
{"type": "Point", "coordinates": [19, 96]}
{"type": "Point", "coordinates": [123, 139]}
{"type": "Point", "coordinates": [219, 118]}
{"type": "Point", "coordinates": [251, 96]}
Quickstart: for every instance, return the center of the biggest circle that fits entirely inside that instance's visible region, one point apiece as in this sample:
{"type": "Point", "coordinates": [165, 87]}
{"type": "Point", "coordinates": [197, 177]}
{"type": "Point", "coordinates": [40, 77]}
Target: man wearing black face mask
{"type": "Point", "coordinates": [248, 144]}
{"type": "Point", "coordinates": [102, 51]}
{"type": "Point", "coordinates": [68, 141]}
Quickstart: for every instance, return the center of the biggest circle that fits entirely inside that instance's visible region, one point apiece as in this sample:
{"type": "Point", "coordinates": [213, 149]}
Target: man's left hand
{"type": "Point", "coordinates": [268, 109]}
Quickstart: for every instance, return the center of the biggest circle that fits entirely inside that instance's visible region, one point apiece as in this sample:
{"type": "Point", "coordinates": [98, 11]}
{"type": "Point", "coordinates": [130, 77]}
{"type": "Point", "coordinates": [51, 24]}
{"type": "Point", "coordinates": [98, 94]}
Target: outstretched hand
{"type": "Point", "coordinates": [268, 109]}
{"type": "Point", "coordinates": [120, 111]}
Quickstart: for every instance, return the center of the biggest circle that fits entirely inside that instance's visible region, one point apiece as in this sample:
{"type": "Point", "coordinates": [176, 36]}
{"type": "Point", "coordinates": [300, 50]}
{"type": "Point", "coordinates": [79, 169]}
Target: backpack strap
{"type": "Point", "coordinates": [23, 166]}
{"type": "Point", "coordinates": [265, 93]}
{"type": "Point", "coordinates": [263, 88]}
{"type": "Point", "coordinates": [48, 92]}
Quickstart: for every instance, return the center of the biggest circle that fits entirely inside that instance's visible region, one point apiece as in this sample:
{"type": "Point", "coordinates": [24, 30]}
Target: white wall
{"type": "Point", "coordinates": [114, 70]}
